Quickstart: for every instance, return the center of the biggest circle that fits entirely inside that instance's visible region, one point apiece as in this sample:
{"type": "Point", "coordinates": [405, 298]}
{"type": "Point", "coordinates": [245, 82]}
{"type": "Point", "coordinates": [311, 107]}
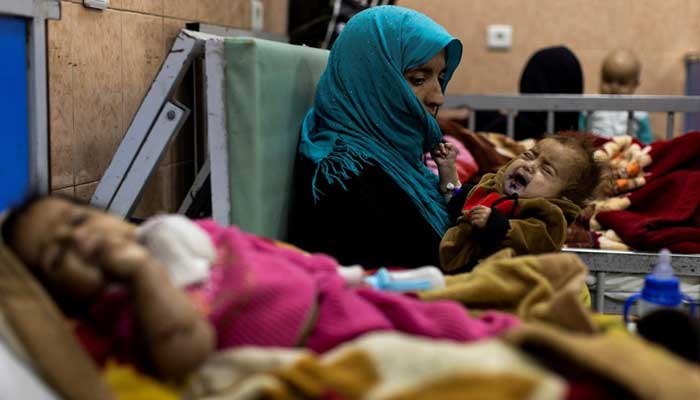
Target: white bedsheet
{"type": "Point", "coordinates": [620, 286]}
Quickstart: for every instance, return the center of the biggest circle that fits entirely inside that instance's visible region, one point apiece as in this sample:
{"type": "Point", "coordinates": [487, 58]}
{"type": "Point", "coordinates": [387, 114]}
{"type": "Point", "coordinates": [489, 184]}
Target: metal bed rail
{"type": "Point", "coordinates": [601, 262]}
{"type": "Point", "coordinates": [552, 103]}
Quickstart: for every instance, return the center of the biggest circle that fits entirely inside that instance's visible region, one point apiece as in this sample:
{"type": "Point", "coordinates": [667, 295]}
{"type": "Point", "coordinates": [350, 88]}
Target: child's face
{"type": "Point", "coordinates": [619, 85]}
{"type": "Point", "coordinates": [619, 77]}
{"type": "Point", "coordinates": [60, 240]}
{"type": "Point", "coordinates": [543, 171]}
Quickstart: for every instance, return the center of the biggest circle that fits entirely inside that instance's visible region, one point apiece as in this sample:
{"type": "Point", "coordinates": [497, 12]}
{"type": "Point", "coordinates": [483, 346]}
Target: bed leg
{"type": "Point", "coordinates": [600, 291]}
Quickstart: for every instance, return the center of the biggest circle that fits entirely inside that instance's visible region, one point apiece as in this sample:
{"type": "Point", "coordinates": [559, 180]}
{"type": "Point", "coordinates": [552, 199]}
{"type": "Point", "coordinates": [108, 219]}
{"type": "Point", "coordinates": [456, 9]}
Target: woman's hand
{"type": "Point", "coordinates": [479, 216]}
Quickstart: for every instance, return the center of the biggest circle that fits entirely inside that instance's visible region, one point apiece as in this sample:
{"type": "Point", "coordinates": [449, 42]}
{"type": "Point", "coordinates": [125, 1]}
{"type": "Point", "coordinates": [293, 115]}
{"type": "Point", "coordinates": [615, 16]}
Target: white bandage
{"type": "Point", "coordinates": [183, 247]}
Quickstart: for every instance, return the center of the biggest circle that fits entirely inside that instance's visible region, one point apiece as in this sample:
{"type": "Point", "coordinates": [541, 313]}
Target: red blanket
{"type": "Point", "coordinates": [681, 153]}
{"type": "Point", "coordinates": [665, 213]}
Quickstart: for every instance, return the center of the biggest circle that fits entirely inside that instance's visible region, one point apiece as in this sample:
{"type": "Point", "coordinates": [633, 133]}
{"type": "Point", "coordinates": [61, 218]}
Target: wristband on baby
{"type": "Point", "coordinates": [451, 187]}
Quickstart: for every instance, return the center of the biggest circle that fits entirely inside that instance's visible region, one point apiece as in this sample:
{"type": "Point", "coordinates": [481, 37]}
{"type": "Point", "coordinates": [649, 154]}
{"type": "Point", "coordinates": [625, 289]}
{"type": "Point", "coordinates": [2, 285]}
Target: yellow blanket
{"type": "Point", "coordinates": [548, 287]}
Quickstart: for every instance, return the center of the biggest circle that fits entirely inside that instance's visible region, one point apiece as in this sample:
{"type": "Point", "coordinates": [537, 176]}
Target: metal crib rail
{"type": "Point", "coordinates": [600, 262]}
{"type": "Point", "coordinates": [552, 103]}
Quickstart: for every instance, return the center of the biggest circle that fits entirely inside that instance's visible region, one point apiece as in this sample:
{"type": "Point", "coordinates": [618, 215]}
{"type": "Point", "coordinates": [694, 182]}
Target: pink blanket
{"type": "Point", "coordinates": [263, 294]}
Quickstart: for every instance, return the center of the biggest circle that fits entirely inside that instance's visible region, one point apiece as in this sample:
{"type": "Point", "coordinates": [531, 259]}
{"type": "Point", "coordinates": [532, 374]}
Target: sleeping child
{"type": "Point", "coordinates": [526, 205]}
{"type": "Point", "coordinates": [164, 295]}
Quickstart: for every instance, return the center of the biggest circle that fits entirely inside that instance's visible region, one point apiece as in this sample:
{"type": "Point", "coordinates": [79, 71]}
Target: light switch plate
{"type": "Point", "coordinates": [99, 4]}
{"type": "Point", "coordinates": [257, 15]}
{"type": "Point", "coordinates": [499, 37]}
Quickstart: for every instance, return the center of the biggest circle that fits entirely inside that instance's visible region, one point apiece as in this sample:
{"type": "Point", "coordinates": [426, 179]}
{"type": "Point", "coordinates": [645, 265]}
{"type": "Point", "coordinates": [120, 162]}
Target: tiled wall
{"type": "Point", "coordinates": [101, 63]}
{"type": "Point", "coordinates": [661, 32]}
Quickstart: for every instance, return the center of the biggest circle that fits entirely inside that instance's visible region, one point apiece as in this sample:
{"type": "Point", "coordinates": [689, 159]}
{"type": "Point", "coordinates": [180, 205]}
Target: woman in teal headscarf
{"type": "Point", "coordinates": [363, 193]}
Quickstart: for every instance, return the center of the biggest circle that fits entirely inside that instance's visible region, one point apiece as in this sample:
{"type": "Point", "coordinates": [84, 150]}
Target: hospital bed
{"type": "Point", "coordinates": [257, 92]}
{"type": "Point", "coordinates": [601, 263]}
{"type": "Point", "coordinates": [256, 95]}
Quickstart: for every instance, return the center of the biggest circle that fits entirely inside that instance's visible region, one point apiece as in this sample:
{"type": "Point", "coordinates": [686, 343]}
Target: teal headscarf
{"type": "Point", "coordinates": [366, 112]}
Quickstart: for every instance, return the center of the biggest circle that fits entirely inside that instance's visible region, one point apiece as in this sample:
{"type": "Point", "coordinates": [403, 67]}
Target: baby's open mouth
{"type": "Point", "coordinates": [516, 182]}
{"type": "Point", "coordinates": [520, 179]}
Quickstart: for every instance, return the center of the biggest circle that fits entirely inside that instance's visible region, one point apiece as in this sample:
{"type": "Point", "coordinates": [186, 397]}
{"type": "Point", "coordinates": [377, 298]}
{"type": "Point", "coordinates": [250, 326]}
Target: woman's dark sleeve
{"type": "Point", "coordinates": [373, 223]}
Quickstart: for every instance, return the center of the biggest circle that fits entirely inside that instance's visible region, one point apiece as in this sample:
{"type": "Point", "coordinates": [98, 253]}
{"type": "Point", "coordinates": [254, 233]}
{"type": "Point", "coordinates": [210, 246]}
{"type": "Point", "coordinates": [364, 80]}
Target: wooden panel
{"type": "Point", "coordinates": [60, 70]}
{"type": "Point", "coordinates": [171, 28]}
{"type": "Point", "coordinates": [241, 13]}
{"type": "Point", "coordinates": [276, 16]}
{"type": "Point", "coordinates": [213, 11]}
{"type": "Point", "coordinates": [84, 192]}
{"type": "Point", "coordinates": [143, 54]}
{"type": "Point", "coordinates": [68, 191]}
{"type": "Point", "coordinates": [231, 13]}
{"type": "Point", "coordinates": [97, 90]}
{"type": "Point", "coordinates": [157, 196]}
{"type": "Point", "coordinates": [184, 9]}
{"type": "Point", "coordinates": [154, 7]}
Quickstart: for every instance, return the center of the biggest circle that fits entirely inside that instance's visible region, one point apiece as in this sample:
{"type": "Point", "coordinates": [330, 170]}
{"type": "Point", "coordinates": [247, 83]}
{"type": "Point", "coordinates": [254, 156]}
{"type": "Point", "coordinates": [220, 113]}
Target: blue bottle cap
{"type": "Point", "coordinates": [661, 286]}
{"type": "Point", "coordinates": [662, 291]}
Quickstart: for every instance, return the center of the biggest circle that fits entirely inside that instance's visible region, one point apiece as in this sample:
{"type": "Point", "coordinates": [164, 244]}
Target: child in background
{"type": "Point", "coordinates": [111, 280]}
{"type": "Point", "coordinates": [527, 205]}
{"type": "Point", "coordinates": [619, 75]}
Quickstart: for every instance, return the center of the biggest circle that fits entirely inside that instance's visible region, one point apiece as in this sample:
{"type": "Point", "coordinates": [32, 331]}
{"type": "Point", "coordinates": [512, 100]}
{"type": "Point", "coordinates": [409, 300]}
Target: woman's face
{"type": "Point", "coordinates": [426, 82]}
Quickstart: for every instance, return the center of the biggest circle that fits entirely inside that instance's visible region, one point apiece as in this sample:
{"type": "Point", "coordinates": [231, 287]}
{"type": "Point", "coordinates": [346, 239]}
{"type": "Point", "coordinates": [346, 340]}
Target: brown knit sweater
{"type": "Point", "coordinates": [539, 227]}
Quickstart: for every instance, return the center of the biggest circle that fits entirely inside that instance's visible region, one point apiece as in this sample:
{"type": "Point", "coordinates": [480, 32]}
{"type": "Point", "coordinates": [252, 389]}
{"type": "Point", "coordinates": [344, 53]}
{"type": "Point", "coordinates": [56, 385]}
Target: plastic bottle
{"type": "Point", "coordinates": [661, 290]}
{"type": "Point", "coordinates": [413, 280]}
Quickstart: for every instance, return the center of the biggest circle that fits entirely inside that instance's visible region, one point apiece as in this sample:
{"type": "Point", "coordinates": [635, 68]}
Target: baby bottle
{"type": "Point", "coordinates": [661, 290]}
{"type": "Point", "coordinates": [413, 280]}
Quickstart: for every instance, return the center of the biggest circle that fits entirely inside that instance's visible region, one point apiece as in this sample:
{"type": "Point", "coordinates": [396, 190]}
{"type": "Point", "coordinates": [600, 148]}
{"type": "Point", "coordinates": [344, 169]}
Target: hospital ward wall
{"type": "Point", "coordinates": [101, 63]}
{"type": "Point", "coordinates": [661, 32]}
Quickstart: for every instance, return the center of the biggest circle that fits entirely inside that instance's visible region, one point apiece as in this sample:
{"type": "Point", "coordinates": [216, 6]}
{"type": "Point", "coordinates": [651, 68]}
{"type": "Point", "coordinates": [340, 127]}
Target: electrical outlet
{"type": "Point", "coordinates": [257, 15]}
{"type": "Point", "coordinates": [99, 4]}
{"type": "Point", "coordinates": [499, 37]}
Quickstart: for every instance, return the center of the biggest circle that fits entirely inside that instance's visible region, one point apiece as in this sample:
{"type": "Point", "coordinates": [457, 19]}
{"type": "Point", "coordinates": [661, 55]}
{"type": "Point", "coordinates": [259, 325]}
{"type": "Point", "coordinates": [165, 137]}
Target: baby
{"type": "Point", "coordinates": [619, 75]}
{"type": "Point", "coordinates": [526, 205]}
{"type": "Point", "coordinates": [109, 277]}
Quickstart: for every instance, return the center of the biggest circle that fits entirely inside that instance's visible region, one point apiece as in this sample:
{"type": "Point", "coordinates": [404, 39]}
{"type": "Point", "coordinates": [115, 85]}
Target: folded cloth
{"type": "Point", "coordinates": [548, 287]}
{"type": "Point", "coordinates": [379, 366]}
{"type": "Point", "coordinates": [628, 366]}
{"type": "Point", "coordinates": [665, 213]}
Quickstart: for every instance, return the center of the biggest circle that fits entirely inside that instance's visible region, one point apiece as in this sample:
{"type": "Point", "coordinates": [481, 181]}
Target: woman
{"type": "Point", "coordinates": [549, 70]}
{"type": "Point", "coordinates": [363, 193]}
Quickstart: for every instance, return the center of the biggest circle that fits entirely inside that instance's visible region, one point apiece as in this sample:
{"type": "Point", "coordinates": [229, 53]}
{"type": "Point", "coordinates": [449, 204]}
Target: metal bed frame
{"type": "Point", "coordinates": [552, 103]}
{"type": "Point", "coordinates": [599, 262]}
{"type": "Point", "coordinates": [36, 13]}
{"type": "Point", "coordinates": [160, 117]}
